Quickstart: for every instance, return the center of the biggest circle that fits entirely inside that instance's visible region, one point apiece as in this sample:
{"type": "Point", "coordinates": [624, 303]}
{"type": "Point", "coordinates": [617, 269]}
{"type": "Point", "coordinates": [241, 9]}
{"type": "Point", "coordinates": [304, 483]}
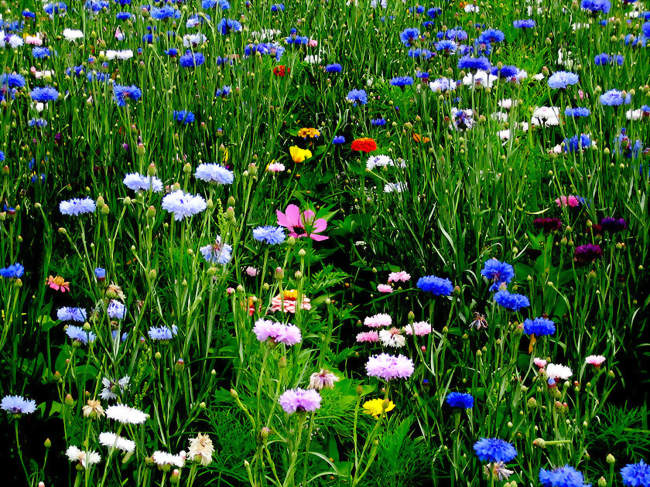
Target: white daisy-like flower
{"type": "Point", "coordinates": [392, 338]}
{"type": "Point", "coordinates": [191, 40]}
{"type": "Point", "coordinates": [122, 55]}
{"type": "Point", "coordinates": [162, 459]}
{"type": "Point", "coordinates": [126, 415]}
{"type": "Point", "coordinates": [557, 371]}
{"type": "Point", "coordinates": [312, 59]}
{"type": "Point", "coordinates": [420, 328]}
{"type": "Point", "coordinates": [111, 440]}
{"type": "Point", "coordinates": [634, 114]}
{"type": "Point", "coordinates": [201, 449]}
{"type": "Point", "coordinates": [546, 116]}
{"type": "Point", "coordinates": [138, 182]}
{"type": "Point", "coordinates": [72, 34]}
{"type": "Point", "coordinates": [481, 79]}
{"type": "Point", "coordinates": [85, 458]}
{"type": "Point", "coordinates": [395, 187]}
{"type": "Point", "coordinates": [378, 161]}
{"type": "Point", "coordinates": [378, 320]}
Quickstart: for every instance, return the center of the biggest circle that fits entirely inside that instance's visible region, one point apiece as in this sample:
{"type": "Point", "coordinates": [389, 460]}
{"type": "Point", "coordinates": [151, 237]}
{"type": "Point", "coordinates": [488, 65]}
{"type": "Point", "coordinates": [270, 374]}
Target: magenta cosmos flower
{"type": "Point", "coordinates": [294, 219]}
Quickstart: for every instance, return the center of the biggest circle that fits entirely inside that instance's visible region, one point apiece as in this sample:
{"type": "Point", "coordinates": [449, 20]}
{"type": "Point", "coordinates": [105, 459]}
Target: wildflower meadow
{"type": "Point", "coordinates": [316, 243]}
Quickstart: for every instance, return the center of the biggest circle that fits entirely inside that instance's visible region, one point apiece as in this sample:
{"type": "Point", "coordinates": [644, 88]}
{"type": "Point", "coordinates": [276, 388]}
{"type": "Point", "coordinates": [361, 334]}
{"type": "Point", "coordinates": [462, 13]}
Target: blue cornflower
{"type": "Point", "coordinates": [460, 400]}
{"type": "Point", "coordinates": [269, 234]}
{"type": "Point", "coordinates": [71, 314]}
{"type": "Point", "coordinates": [55, 8]}
{"type": "Point", "coordinates": [123, 93]}
{"type": "Point", "coordinates": [28, 15]}
{"type": "Point", "coordinates": [44, 94]}
{"type": "Point", "coordinates": [191, 59]}
{"type": "Point", "coordinates": [490, 36]}
{"type": "Point", "coordinates": [511, 301]}
{"type": "Point", "coordinates": [339, 139]}
{"type": "Point", "coordinates": [183, 116]}
{"type": "Point", "coordinates": [214, 173]}
{"type": "Point", "coordinates": [467, 62]}
{"type": "Point", "coordinates": [420, 53]}
{"type": "Point", "coordinates": [123, 16]}
{"type": "Point", "coordinates": [12, 80]}
{"type": "Point", "coordinates": [228, 25]}
{"type": "Point", "coordinates": [446, 46]}
{"type": "Point", "coordinates": [18, 405]}
{"type": "Point", "coordinates": [223, 4]}
{"type": "Point", "coordinates": [172, 52]}
{"type": "Point", "coordinates": [605, 59]}
{"type": "Point", "coordinates": [577, 143]}
{"type": "Point", "coordinates": [147, 39]}
{"type": "Point", "coordinates": [615, 98]}
{"type": "Point", "coordinates": [223, 92]}
{"type": "Point", "coordinates": [494, 450]}
{"type": "Point", "coordinates": [646, 29]}
{"type": "Point", "coordinates": [539, 327]}
{"type": "Point", "coordinates": [562, 477]}
{"type": "Point", "coordinates": [333, 68]}
{"type": "Point", "coordinates": [14, 271]}
{"type": "Point", "coordinates": [596, 6]}
{"type": "Point", "coordinates": [577, 112]}
{"type": "Point", "coordinates": [636, 474]}
{"type": "Point", "coordinates": [357, 96]}
{"type": "Point", "coordinates": [77, 206]}
{"type": "Point", "coordinates": [401, 81]}
{"type": "Point", "coordinates": [409, 36]}
{"type": "Point", "coordinates": [435, 285]}
{"type": "Point", "coordinates": [497, 272]}
{"type": "Point", "coordinates": [434, 12]}
{"type": "Point", "coordinates": [378, 122]}
{"type": "Point", "coordinates": [524, 24]}
{"type": "Point", "coordinates": [562, 79]}
{"type": "Point", "coordinates": [80, 335]}
{"type": "Point", "coordinates": [505, 71]}
{"type": "Point", "coordinates": [100, 273]}
{"type": "Point", "coordinates": [162, 333]}
{"type": "Point", "coordinates": [116, 310]}
{"type": "Point", "coordinates": [217, 253]}
{"type": "Point", "coordinates": [2, 156]}
{"type": "Point", "coordinates": [165, 12]}
{"type": "Point", "coordinates": [277, 7]}
{"type": "Point", "coordinates": [96, 5]}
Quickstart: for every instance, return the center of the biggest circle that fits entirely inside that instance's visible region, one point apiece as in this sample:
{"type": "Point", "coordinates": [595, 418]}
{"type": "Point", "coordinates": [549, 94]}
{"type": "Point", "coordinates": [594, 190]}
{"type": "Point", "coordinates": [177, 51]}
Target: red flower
{"type": "Point", "coordinates": [281, 70]}
{"type": "Point", "coordinates": [364, 144]}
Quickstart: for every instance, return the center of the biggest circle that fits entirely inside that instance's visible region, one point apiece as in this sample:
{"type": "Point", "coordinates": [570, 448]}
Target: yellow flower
{"type": "Point", "coordinates": [377, 407]}
{"type": "Point", "coordinates": [312, 133]}
{"type": "Point", "coordinates": [290, 294]}
{"type": "Point", "coordinates": [298, 154]}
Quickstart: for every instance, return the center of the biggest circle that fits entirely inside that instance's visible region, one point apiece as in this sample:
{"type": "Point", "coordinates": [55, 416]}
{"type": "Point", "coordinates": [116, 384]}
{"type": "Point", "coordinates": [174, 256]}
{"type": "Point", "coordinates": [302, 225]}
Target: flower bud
{"type": "Point", "coordinates": [47, 443]}
{"type": "Point", "coordinates": [602, 482]}
{"type": "Point", "coordinates": [610, 459]}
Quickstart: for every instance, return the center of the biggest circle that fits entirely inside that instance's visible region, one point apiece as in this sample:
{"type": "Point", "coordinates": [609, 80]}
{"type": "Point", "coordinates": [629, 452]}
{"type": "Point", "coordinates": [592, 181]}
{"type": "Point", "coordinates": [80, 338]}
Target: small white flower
{"type": "Point", "coordinates": [201, 449]}
{"type": "Point", "coordinates": [72, 34]}
{"type": "Point", "coordinates": [392, 338]}
{"type": "Point", "coordinates": [546, 116]}
{"type": "Point", "coordinates": [111, 440]}
{"type": "Point", "coordinates": [163, 459]}
{"type": "Point", "coordinates": [557, 371]}
{"type": "Point", "coordinates": [85, 458]}
{"type": "Point", "coordinates": [126, 415]}
{"type": "Point", "coordinates": [122, 55]}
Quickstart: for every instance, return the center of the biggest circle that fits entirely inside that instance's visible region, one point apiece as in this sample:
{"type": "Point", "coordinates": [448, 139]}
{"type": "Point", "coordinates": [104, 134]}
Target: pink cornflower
{"type": "Point", "coordinates": [384, 288]}
{"type": "Point", "coordinates": [277, 332]}
{"type": "Point", "coordinates": [399, 276]}
{"type": "Point", "coordinates": [389, 367]}
{"type": "Point", "coordinates": [312, 43]}
{"type": "Point", "coordinates": [570, 201]}
{"type": "Point", "coordinates": [367, 337]}
{"type": "Point", "coordinates": [378, 320]}
{"type": "Point", "coordinates": [540, 363]}
{"type": "Point", "coordinates": [420, 328]}
{"type": "Point", "coordinates": [300, 400]}
{"type": "Point", "coordinates": [275, 167]}
{"type": "Point", "coordinates": [293, 219]}
{"type": "Point", "coordinates": [321, 380]}
{"type": "Point", "coordinates": [251, 271]}
{"type": "Point", "coordinates": [230, 290]}
{"type": "Point", "coordinates": [595, 360]}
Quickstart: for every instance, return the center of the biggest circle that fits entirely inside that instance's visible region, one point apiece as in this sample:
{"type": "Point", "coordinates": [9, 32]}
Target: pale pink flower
{"type": "Point", "coordinates": [595, 360]}
{"type": "Point", "coordinates": [293, 219]}
{"type": "Point", "coordinates": [33, 40]}
{"type": "Point", "coordinates": [275, 167]}
{"type": "Point", "coordinates": [384, 288]}
{"type": "Point", "coordinates": [368, 337]}
{"type": "Point", "coordinates": [540, 362]}
{"type": "Point", "coordinates": [389, 367]}
{"type": "Point", "coordinates": [421, 328]}
{"type": "Point", "coordinates": [321, 380]}
{"type": "Point", "coordinates": [312, 43]}
{"type": "Point", "coordinates": [378, 320]}
{"type": "Point", "coordinates": [251, 271]}
{"type": "Point", "coordinates": [399, 276]}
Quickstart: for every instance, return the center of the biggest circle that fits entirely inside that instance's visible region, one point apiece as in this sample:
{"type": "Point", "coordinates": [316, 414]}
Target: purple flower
{"type": "Point", "coordinates": [277, 332]}
{"type": "Point", "coordinates": [613, 225]}
{"type": "Point", "coordinates": [299, 400]}
{"type": "Point", "coordinates": [587, 253]}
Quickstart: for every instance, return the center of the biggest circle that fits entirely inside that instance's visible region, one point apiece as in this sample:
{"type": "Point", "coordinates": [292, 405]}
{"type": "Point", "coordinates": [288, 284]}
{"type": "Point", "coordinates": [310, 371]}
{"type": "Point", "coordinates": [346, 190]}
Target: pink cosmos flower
{"type": "Point", "coordinates": [293, 219]}
{"type": "Point", "coordinates": [368, 337]}
{"type": "Point", "coordinates": [595, 360]}
{"type": "Point", "coordinates": [399, 276]}
{"type": "Point", "coordinates": [384, 288]}
{"type": "Point", "coordinates": [287, 303]}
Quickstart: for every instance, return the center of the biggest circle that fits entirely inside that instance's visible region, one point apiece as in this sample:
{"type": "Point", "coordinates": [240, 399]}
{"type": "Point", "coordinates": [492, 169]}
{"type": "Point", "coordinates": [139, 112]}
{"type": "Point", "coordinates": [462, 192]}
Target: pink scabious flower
{"type": "Point", "coordinates": [387, 367]}
{"type": "Point", "coordinates": [570, 201]}
{"type": "Point", "coordinates": [277, 332]}
{"type": "Point", "coordinates": [367, 337]}
{"type": "Point", "coordinates": [287, 302]}
{"type": "Point", "coordinates": [399, 276]}
{"type": "Point", "coordinates": [378, 320]}
{"type": "Point", "coordinates": [421, 328]}
{"type": "Point", "coordinates": [251, 271]}
{"type": "Point", "coordinates": [540, 363]}
{"type": "Point", "coordinates": [298, 399]}
{"type": "Point", "coordinates": [293, 219]}
{"type": "Point", "coordinates": [384, 288]}
{"type": "Point", "coordinates": [595, 360]}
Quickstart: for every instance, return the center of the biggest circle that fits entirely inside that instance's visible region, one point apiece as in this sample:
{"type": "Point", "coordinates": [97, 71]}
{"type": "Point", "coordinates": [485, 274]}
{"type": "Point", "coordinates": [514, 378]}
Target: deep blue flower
{"type": "Point", "coordinates": [494, 450]}
{"type": "Point", "coordinates": [100, 273]}
{"type": "Point", "coordinates": [562, 477]}
{"type": "Point", "coordinates": [339, 139]}
{"type": "Point", "coordinates": [613, 225]}
{"type": "Point", "coordinates": [636, 474]}
{"type": "Point", "coordinates": [446, 46]}
{"type": "Point", "coordinates": [577, 112]}
{"type": "Point", "coordinates": [172, 52]}
{"type": "Point", "coordinates": [223, 92]}
{"type": "Point", "coordinates": [401, 81]}
{"type": "Point", "coordinates": [511, 301]}
{"type": "Point", "coordinates": [467, 62]}
{"type": "Point", "coordinates": [96, 5]}
{"type": "Point", "coordinates": [28, 15]}
{"type": "Point", "coordinates": [357, 96]}
{"type": "Point", "coordinates": [228, 25]}
{"type": "Point", "coordinates": [265, 48]}
{"type": "Point", "coordinates": [277, 7]}
{"type": "Point", "coordinates": [490, 36]}
{"type": "Point", "coordinates": [269, 234]}
{"type": "Point", "coordinates": [562, 79]}
{"type": "Point", "coordinates": [524, 24]}
{"type": "Point", "coordinates": [18, 405]}
{"type": "Point", "coordinates": [420, 53]}
{"type": "Point", "coordinates": [615, 98]}
{"type": "Point", "coordinates": [165, 12]}
{"type": "Point", "coordinates": [223, 4]}
{"type": "Point", "coordinates": [80, 335]}
{"type": "Point", "coordinates": [498, 273]}
{"type": "Point", "coordinates": [378, 122]}
{"type": "Point", "coordinates": [460, 400]}
{"type": "Point", "coordinates": [596, 6]}
{"type": "Point", "coordinates": [646, 29]}
{"type": "Point", "coordinates": [434, 12]}
{"type": "Point", "coordinates": [539, 327]}
{"type": "Point", "coordinates": [44, 94]}
{"type": "Point", "coordinates": [123, 93]}
{"type": "Point", "coordinates": [577, 143]}
{"type": "Point", "coordinates": [14, 271]}
{"type": "Point", "coordinates": [55, 8]}
{"type": "Point", "coordinates": [191, 59]}
{"type": "Point", "coordinates": [505, 71]}
{"type": "Point", "coordinates": [333, 68]}
{"type": "Point", "coordinates": [409, 36]}
{"type": "Point", "coordinates": [12, 80]}
{"type": "Point", "coordinates": [435, 285]}
{"type": "Point", "coordinates": [456, 34]}
{"type": "Point", "coordinates": [184, 117]}
{"type": "Point", "coordinates": [123, 16]}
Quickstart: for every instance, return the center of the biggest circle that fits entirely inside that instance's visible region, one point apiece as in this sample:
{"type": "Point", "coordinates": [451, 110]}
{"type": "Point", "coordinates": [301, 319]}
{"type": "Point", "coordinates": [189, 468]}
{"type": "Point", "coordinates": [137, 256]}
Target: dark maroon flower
{"type": "Point", "coordinates": [587, 253]}
{"type": "Point", "coordinates": [613, 225]}
{"type": "Point", "coordinates": [547, 224]}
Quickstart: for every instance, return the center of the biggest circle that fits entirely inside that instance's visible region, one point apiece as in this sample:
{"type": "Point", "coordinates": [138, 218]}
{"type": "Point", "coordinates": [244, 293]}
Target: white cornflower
{"type": "Point", "coordinates": [546, 116]}
{"type": "Point", "coordinates": [214, 173]}
{"type": "Point", "coordinates": [111, 440]}
{"type": "Point", "coordinates": [392, 338]}
{"type": "Point", "coordinates": [183, 205]}
{"type": "Point", "coordinates": [122, 55]}
{"type": "Point", "coordinates": [163, 459]}
{"type": "Point", "coordinates": [557, 371]}
{"type": "Point", "coordinates": [201, 449]}
{"type": "Point", "coordinates": [138, 182]}
{"type": "Point", "coordinates": [85, 458]}
{"type": "Point", "coordinates": [126, 415]}
{"type": "Point", "coordinates": [72, 34]}
{"type": "Point", "coordinates": [111, 388]}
